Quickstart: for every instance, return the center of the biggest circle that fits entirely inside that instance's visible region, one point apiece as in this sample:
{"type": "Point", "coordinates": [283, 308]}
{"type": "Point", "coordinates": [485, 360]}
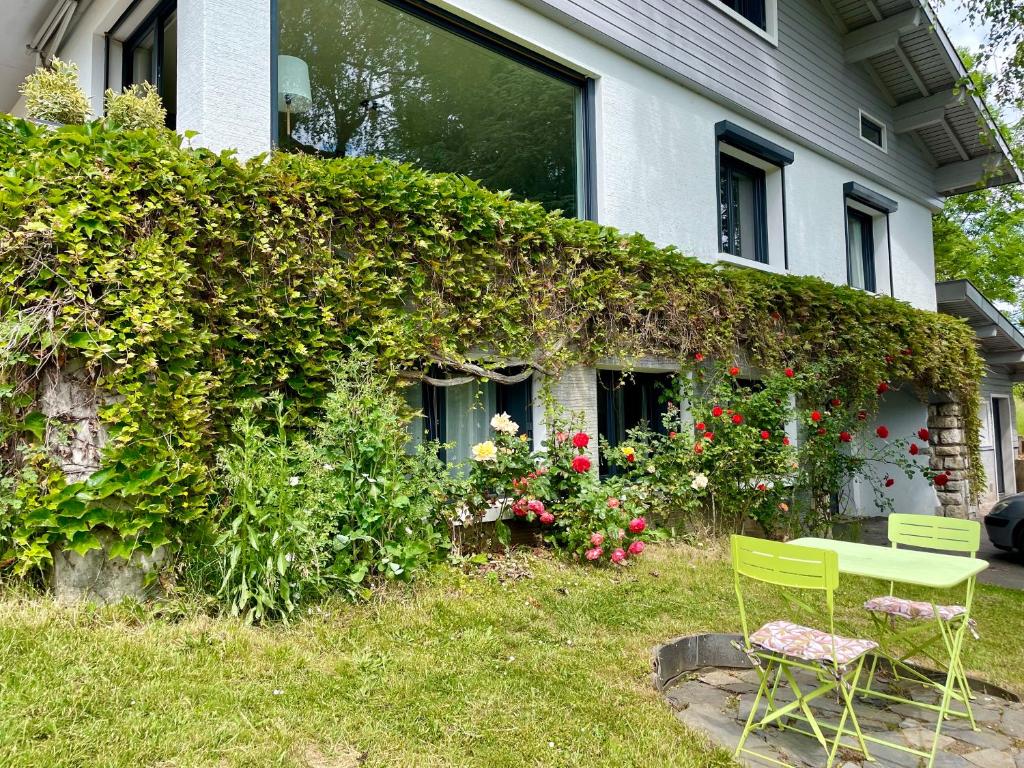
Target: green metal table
{"type": "Point", "coordinates": [924, 569]}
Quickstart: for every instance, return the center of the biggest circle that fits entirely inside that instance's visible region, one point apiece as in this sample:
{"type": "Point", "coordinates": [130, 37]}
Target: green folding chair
{"type": "Point", "coordinates": [780, 647]}
{"type": "Point", "coordinates": [918, 629]}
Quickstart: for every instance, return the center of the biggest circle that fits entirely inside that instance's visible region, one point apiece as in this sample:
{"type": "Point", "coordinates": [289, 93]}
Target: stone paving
{"type": "Point", "coordinates": [717, 701]}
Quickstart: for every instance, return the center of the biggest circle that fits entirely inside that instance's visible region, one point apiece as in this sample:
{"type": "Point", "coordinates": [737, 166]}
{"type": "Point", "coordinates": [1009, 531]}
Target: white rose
{"type": "Point", "coordinates": [700, 482]}
{"type": "Point", "coordinates": [502, 422]}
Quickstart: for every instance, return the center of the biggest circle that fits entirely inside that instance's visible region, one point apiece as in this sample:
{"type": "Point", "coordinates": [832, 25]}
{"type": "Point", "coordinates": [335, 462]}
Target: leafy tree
{"type": "Point", "coordinates": [1003, 44]}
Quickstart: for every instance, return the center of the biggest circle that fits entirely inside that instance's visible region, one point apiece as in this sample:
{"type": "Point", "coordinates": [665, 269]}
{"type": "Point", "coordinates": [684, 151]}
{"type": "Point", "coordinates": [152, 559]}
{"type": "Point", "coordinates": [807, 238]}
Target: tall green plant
{"type": "Point", "coordinates": [267, 543]}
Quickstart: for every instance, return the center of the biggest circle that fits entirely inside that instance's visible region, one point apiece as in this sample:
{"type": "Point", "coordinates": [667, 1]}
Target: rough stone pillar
{"type": "Point", "coordinates": [949, 454]}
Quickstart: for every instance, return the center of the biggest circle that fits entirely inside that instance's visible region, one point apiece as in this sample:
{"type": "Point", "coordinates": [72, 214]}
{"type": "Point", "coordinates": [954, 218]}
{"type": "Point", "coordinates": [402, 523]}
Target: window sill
{"type": "Point", "coordinates": [736, 261]}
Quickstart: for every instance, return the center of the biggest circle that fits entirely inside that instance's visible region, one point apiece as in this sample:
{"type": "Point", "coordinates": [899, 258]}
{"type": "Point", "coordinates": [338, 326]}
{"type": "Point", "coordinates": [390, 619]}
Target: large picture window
{"type": "Point", "coordinates": [399, 80]}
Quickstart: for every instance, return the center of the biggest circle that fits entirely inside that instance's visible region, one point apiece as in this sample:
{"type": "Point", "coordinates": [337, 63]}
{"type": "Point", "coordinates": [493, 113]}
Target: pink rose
{"type": "Point", "coordinates": [594, 554]}
{"type": "Point", "coordinates": [597, 539]}
{"type": "Point", "coordinates": [637, 525]}
{"type": "Point", "coordinates": [536, 506]}
{"type": "Point", "coordinates": [637, 547]}
{"type": "Point", "coordinates": [619, 556]}
{"type": "Point", "coordinates": [613, 503]}
{"type": "Point", "coordinates": [547, 518]}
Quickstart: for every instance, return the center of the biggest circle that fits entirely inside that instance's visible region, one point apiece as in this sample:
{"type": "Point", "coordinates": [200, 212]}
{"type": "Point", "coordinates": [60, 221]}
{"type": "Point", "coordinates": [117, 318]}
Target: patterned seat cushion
{"type": "Point", "coordinates": [809, 644]}
{"type": "Point", "coordinates": [912, 609]}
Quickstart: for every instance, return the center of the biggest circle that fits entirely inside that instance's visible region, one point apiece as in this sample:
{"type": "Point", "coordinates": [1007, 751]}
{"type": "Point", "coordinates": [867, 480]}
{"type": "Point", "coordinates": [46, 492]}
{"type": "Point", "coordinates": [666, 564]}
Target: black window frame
{"type": "Point", "coordinates": [875, 125]}
{"type": "Point", "coordinates": [867, 255]}
{"type": "Point", "coordinates": [153, 22]}
{"type": "Point", "coordinates": [754, 11]}
{"type": "Point", "coordinates": [728, 168]}
{"type": "Point", "coordinates": [479, 35]}
{"type": "Point", "coordinates": [873, 201]}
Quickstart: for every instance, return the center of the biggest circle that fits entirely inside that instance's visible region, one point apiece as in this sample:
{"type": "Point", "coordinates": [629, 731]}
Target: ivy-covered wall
{"type": "Point", "coordinates": [189, 283]}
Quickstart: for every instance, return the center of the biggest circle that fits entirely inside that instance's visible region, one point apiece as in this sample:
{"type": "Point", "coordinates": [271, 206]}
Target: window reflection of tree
{"type": "Point", "coordinates": [389, 84]}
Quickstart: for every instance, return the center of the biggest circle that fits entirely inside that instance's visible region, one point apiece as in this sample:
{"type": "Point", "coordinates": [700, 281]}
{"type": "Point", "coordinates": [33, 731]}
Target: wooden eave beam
{"type": "Point", "coordinates": [879, 37]}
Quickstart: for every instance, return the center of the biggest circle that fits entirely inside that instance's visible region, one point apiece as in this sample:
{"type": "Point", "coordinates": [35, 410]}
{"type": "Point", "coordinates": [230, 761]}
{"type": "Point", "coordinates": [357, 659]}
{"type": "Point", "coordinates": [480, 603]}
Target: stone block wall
{"type": "Point", "coordinates": [949, 454]}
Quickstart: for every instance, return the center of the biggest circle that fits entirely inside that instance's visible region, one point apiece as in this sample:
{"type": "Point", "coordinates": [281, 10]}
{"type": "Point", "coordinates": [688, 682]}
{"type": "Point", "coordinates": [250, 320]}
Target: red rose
{"type": "Point", "coordinates": [594, 554]}
{"type": "Point", "coordinates": [581, 439]}
{"type": "Point", "coordinates": [637, 525]}
{"type": "Point", "coordinates": [717, 411]}
{"type": "Point", "coordinates": [637, 547]}
{"type": "Point", "coordinates": [822, 431]}
{"type": "Point", "coordinates": [815, 416]}
{"type": "Point", "coordinates": [888, 359]}
{"type": "Point", "coordinates": [709, 435]}
{"type": "Point", "coordinates": [836, 402]}
{"type": "Point", "coordinates": [845, 436]}
{"type": "Point", "coordinates": [923, 434]}
{"type": "Point", "coordinates": [941, 480]}
{"type": "Point", "coordinates": [700, 426]}
{"type": "Point", "coordinates": [699, 357]}
{"type": "Point", "coordinates": [882, 431]}
{"type": "Point", "coordinates": [737, 418]}
{"type": "Point", "coordinates": [914, 450]}
{"type": "Point", "coordinates": [547, 518]}
{"type": "Point", "coordinates": [776, 316]}
{"type": "Point", "coordinates": [671, 435]}
{"type": "Point", "coordinates": [883, 387]}
{"type": "Point", "coordinates": [785, 440]}
{"type": "Point", "coordinates": [790, 373]}
{"type": "Point", "coordinates": [908, 351]}
{"type": "Point", "coordinates": [631, 458]}
{"type": "Point", "coordinates": [765, 434]}
{"type": "Point", "coordinates": [619, 556]}
{"type": "Point", "coordinates": [762, 487]}
{"type": "Point", "coordinates": [734, 371]}
{"type": "Point", "coordinates": [698, 449]}
{"type": "Point", "coordinates": [889, 482]}
{"type": "Point", "coordinates": [862, 415]}
{"type": "Point", "coordinates": [581, 464]}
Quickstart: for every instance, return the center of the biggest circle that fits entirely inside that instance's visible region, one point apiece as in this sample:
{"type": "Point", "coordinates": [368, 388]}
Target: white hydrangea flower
{"type": "Point", "coordinates": [502, 422]}
{"type": "Point", "coordinates": [700, 482]}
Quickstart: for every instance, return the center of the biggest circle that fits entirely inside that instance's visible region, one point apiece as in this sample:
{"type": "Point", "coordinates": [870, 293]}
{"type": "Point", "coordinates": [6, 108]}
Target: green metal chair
{"type": "Point", "coordinates": [780, 647]}
{"type": "Point", "coordinates": [915, 629]}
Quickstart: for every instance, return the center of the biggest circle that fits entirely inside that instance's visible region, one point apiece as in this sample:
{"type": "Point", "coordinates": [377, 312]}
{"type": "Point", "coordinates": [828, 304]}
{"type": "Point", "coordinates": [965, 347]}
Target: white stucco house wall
{"type": "Point", "coordinates": [835, 123]}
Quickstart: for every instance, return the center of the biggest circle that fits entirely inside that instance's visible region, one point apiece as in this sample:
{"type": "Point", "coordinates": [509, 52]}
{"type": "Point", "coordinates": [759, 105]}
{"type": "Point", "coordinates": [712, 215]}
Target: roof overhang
{"type": "Point", "coordinates": [1000, 341]}
{"type": "Point", "coordinates": [913, 62]}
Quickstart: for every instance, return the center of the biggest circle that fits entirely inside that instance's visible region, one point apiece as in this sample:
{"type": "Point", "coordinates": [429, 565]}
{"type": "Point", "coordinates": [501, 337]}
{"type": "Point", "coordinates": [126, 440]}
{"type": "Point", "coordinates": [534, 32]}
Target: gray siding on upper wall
{"type": "Point", "coordinates": [802, 87]}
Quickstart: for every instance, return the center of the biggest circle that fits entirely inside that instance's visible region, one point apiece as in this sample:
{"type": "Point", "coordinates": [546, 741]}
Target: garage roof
{"type": "Point", "coordinates": [999, 340]}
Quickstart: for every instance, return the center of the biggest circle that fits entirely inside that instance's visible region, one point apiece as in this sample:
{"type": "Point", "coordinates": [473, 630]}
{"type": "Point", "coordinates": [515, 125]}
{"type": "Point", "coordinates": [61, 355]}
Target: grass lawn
{"type": "Point", "coordinates": [460, 670]}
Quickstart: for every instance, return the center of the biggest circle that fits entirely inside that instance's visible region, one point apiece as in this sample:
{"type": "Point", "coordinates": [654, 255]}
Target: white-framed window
{"type": "Point", "coordinates": [759, 16]}
{"type": "Point", "coordinates": [751, 198]}
{"type": "Point", "coordinates": [868, 246]}
{"type": "Point", "coordinates": [872, 130]}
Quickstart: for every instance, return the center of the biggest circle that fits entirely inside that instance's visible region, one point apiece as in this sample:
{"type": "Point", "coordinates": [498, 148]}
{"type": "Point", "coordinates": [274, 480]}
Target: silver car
{"type": "Point", "coordinates": [1005, 523]}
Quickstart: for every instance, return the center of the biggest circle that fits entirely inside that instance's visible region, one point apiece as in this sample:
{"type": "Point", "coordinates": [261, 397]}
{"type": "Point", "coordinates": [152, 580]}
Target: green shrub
{"type": "Point", "coordinates": [53, 94]}
{"type": "Point", "coordinates": [137, 107]}
{"type": "Point", "coordinates": [382, 508]}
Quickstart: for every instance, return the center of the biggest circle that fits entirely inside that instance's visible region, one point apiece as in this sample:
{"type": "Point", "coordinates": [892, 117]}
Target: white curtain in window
{"type": "Point", "coordinates": [468, 411]}
{"type": "Point", "coordinates": [417, 426]}
{"type": "Point", "coordinates": [855, 251]}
